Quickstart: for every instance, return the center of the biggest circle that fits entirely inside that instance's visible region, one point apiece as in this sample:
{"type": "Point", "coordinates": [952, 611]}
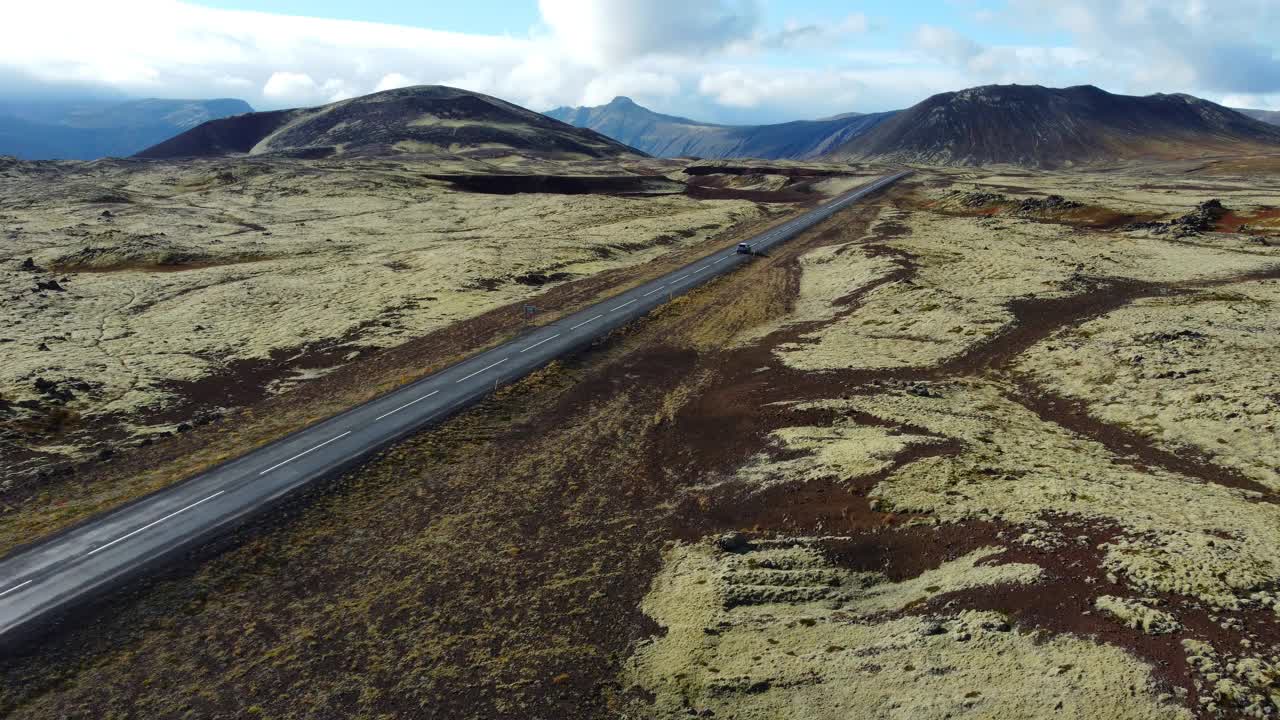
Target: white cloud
{"type": "Point", "coordinates": [295, 89]}
{"type": "Point", "coordinates": [642, 84]}
{"type": "Point", "coordinates": [750, 88]}
{"type": "Point", "coordinates": [1255, 102]}
{"type": "Point", "coordinates": [608, 32]}
{"type": "Point", "coordinates": [394, 80]}
{"type": "Point", "coordinates": [175, 49]}
{"type": "Point", "coordinates": [1220, 47]}
{"type": "Point", "coordinates": [795, 35]}
{"type": "Point", "coordinates": [946, 44]}
{"type": "Point", "coordinates": [713, 59]}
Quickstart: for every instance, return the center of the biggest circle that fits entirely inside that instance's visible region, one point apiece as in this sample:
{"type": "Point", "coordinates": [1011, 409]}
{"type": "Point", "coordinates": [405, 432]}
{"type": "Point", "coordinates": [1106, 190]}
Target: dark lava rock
{"type": "Point", "coordinates": [732, 542]}
{"type": "Point", "coordinates": [49, 285]}
{"type": "Point", "coordinates": [981, 199]}
{"type": "Point", "coordinates": [934, 629]}
{"type": "Point", "coordinates": [1173, 336]}
{"type": "Point", "coordinates": [1202, 219]}
{"type": "Point", "coordinates": [183, 427]}
{"type": "Point", "coordinates": [106, 453]}
{"type": "Point", "coordinates": [53, 389]}
{"type": "Point", "coordinates": [30, 264]}
{"type": "Point", "coordinates": [42, 347]}
{"type": "Point", "coordinates": [106, 214]}
{"type": "Point", "coordinates": [1048, 204]}
{"type": "Point", "coordinates": [922, 390]}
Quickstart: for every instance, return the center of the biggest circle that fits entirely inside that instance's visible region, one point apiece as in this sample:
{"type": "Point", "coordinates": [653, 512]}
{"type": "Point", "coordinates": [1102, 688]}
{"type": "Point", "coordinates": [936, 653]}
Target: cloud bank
{"type": "Point", "coordinates": [714, 59]}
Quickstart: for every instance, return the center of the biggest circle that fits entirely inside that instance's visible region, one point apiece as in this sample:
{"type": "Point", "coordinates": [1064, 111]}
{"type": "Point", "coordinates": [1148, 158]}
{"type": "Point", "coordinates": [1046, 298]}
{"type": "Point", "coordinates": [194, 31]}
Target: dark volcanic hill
{"type": "Point", "coordinates": [88, 129]}
{"type": "Point", "coordinates": [427, 118]}
{"type": "Point", "coordinates": [1046, 127]}
{"type": "Point", "coordinates": [671, 136]}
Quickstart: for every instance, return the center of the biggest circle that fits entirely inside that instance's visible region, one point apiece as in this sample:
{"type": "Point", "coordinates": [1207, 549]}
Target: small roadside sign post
{"type": "Point", "coordinates": [529, 311]}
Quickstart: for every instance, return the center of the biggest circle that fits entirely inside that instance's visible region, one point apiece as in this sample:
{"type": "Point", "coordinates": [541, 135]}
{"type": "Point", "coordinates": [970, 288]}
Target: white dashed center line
{"type": "Point", "coordinates": [679, 278]}
{"type": "Point", "coordinates": [304, 452]}
{"type": "Point", "coordinates": [393, 412]}
{"type": "Point", "coordinates": [553, 337]}
{"type": "Point", "coordinates": [15, 587]}
{"type": "Point", "coordinates": [622, 305]}
{"type": "Point", "coordinates": [490, 367]}
{"type": "Point", "coordinates": [584, 322]}
{"type": "Point", "coordinates": [652, 291]}
{"type": "Point", "coordinates": [152, 524]}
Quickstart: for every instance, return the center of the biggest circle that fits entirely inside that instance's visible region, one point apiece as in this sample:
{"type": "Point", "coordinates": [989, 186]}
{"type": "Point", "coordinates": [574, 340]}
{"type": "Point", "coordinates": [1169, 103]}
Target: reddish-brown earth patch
{"type": "Point", "coordinates": [1263, 220]}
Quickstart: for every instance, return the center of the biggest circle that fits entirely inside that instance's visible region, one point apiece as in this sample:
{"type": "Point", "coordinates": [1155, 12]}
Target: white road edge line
{"type": "Point", "coordinates": [393, 412]}
{"type": "Point", "coordinates": [15, 587]}
{"type": "Point", "coordinates": [153, 523]}
{"type": "Point", "coordinates": [584, 322]}
{"type": "Point", "coordinates": [490, 367]}
{"type": "Point", "coordinates": [622, 305]}
{"type": "Point", "coordinates": [553, 337]}
{"type": "Point", "coordinates": [652, 291]}
{"type": "Point", "coordinates": [304, 452]}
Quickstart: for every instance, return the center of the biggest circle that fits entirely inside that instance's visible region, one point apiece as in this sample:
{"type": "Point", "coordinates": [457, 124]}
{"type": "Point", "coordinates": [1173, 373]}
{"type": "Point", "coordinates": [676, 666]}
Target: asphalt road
{"type": "Point", "coordinates": [41, 582]}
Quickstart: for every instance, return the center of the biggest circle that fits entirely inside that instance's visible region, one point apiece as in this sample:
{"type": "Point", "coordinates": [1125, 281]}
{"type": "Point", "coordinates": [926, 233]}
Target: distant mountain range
{"type": "Point", "coordinates": [1017, 124]}
{"type": "Point", "coordinates": [89, 129]}
{"type": "Point", "coordinates": [1266, 116]}
{"type": "Point", "coordinates": [670, 136]}
{"type": "Point", "coordinates": [1025, 125]}
{"type": "Point", "coordinates": [429, 119]}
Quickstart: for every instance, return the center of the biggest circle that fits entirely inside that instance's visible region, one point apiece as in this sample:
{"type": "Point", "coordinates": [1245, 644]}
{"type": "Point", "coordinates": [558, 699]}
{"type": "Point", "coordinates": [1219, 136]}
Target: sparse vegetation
{"type": "Point", "coordinates": [909, 462]}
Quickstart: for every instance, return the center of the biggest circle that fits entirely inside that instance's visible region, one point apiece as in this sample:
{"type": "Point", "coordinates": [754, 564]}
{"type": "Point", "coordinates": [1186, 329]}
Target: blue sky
{"type": "Point", "coordinates": [516, 17]}
{"type": "Point", "coordinates": [737, 61]}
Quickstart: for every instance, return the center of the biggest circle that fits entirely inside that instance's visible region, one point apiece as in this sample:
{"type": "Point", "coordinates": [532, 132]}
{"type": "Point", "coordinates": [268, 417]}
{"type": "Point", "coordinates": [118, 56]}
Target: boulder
{"type": "Point", "coordinates": [732, 542]}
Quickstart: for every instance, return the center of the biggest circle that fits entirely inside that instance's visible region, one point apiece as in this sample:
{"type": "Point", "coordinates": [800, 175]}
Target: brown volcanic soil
{"type": "Point", "coordinates": [932, 537]}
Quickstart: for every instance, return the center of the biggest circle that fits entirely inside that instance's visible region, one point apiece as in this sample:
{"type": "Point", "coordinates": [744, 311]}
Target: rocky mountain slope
{"type": "Point", "coordinates": [1048, 127]}
{"type": "Point", "coordinates": [89, 129]}
{"type": "Point", "coordinates": [424, 119]}
{"type": "Point", "coordinates": [671, 136]}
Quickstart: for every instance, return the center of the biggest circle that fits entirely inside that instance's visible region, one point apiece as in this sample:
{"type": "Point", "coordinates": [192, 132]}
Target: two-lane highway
{"type": "Point", "coordinates": [73, 567]}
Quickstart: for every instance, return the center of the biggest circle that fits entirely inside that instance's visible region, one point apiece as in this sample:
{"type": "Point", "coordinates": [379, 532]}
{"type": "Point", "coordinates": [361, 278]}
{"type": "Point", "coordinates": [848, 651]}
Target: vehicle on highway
{"type": "Point", "coordinates": [744, 249]}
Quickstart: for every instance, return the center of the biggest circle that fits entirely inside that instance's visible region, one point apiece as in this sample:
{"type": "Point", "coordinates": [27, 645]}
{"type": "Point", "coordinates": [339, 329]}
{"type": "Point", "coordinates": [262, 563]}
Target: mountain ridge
{"type": "Point", "coordinates": [1035, 126]}
{"type": "Point", "coordinates": [665, 135]}
{"type": "Point", "coordinates": [422, 118]}
{"type": "Point", "coordinates": [1271, 117]}
{"type": "Point", "coordinates": [90, 129]}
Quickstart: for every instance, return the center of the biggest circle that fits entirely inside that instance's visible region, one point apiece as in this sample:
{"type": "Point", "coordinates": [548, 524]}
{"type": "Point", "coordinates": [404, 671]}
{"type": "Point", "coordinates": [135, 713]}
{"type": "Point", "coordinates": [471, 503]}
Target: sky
{"type": "Point", "coordinates": [737, 61]}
